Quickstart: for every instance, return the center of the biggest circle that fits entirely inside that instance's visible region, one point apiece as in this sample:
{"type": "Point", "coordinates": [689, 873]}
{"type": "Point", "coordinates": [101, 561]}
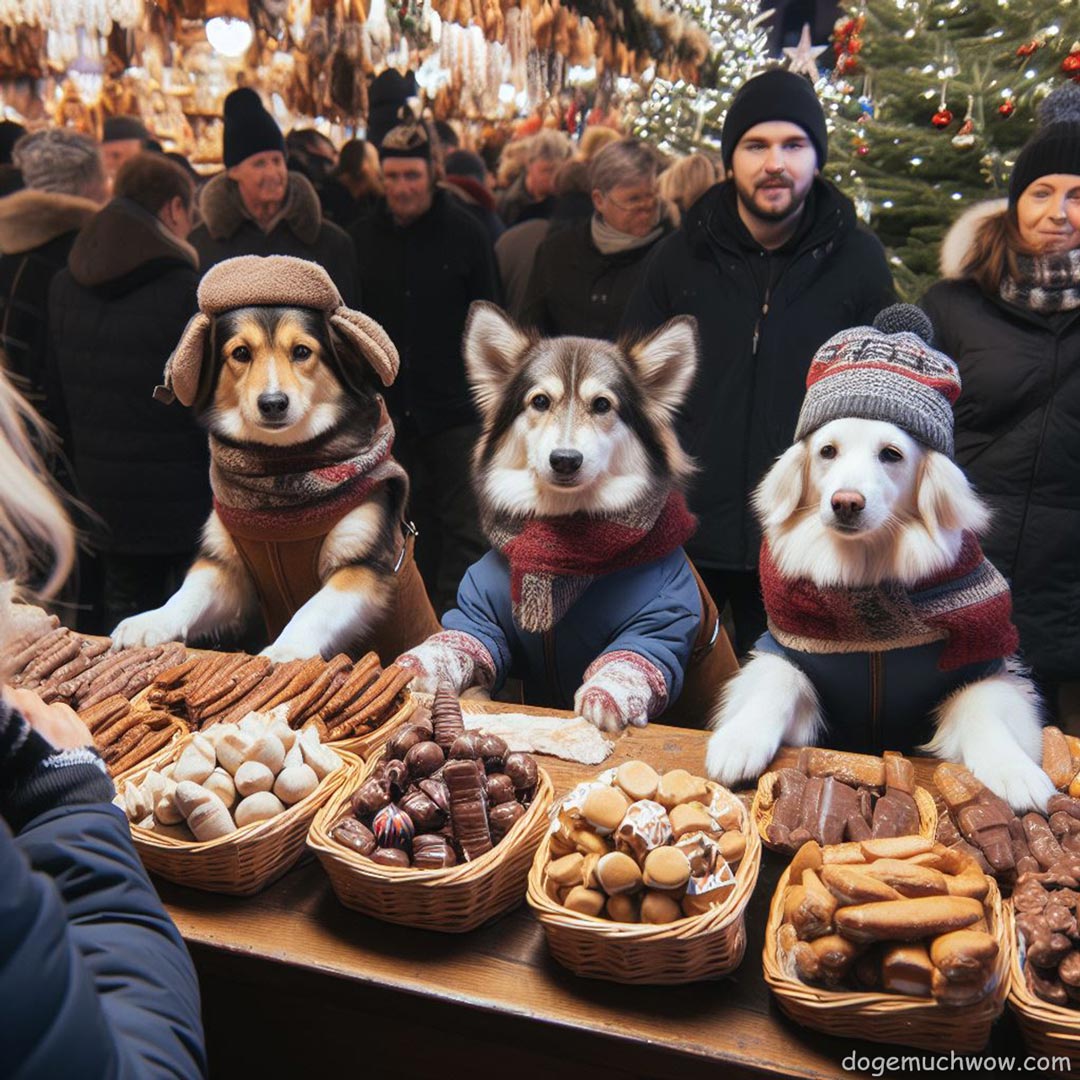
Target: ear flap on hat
{"type": "Point", "coordinates": [370, 340]}
{"type": "Point", "coordinates": [183, 369]}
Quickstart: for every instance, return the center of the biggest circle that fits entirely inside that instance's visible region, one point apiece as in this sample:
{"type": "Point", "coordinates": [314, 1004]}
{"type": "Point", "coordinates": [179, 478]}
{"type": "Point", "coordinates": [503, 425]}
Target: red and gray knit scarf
{"type": "Point", "coordinates": [285, 492]}
{"type": "Point", "coordinates": [967, 605]}
{"type": "Point", "coordinates": [554, 560]}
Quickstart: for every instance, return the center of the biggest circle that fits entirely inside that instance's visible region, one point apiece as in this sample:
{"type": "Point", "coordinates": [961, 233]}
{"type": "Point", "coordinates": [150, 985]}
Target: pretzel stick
{"type": "Point", "coordinates": [359, 681]}
{"type": "Point", "coordinates": [104, 712]}
{"type": "Point", "coordinates": [247, 678]}
{"type": "Point", "coordinates": [118, 676]}
{"type": "Point", "coordinates": [255, 700]}
{"type": "Point", "coordinates": [35, 648]}
{"type": "Point", "coordinates": [396, 681]}
{"type": "Point", "coordinates": [149, 744]}
{"type": "Point", "coordinates": [116, 749]}
{"type": "Point", "coordinates": [108, 734]}
{"type": "Point", "coordinates": [223, 683]}
{"type": "Point", "coordinates": [334, 673]}
{"type": "Point", "coordinates": [301, 681]}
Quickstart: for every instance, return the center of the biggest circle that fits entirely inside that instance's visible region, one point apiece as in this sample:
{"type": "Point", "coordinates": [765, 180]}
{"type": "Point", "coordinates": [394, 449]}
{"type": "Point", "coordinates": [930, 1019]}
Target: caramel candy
{"type": "Point", "coordinates": [423, 759]}
{"type": "Point", "coordinates": [604, 808]}
{"type": "Point", "coordinates": [899, 772]}
{"type": "Point", "coordinates": [638, 780]}
{"type": "Point", "coordinates": [521, 768]}
{"type": "Point", "coordinates": [732, 845]}
{"type": "Point", "coordinates": [354, 834]}
{"type": "Point", "coordinates": [645, 826]}
{"type": "Point", "coordinates": [618, 873]}
{"type": "Point", "coordinates": [569, 870]}
{"type": "Point", "coordinates": [432, 852]}
{"type": "Point", "coordinates": [390, 857]}
{"type": "Point", "coordinates": [666, 868]}
{"type": "Point", "coordinates": [1056, 758]}
{"type": "Point", "coordinates": [500, 789]}
{"type": "Point", "coordinates": [658, 908]}
{"type": "Point", "coordinates": [402, 741]}
{"type": "Point", "coordinates": [465, 747]}
{"type": "Point", "coordinates": [854, 769]}
{"type": "Point", "coordinates": [425, 815]}
{"type": "Point", "coordinates": [446, 719]}
{"type": "Point", "coordinates": [691, 817]}
{"type": "Point", "coordinates": [624, 908]}
{"type": "Point", "coordinates": [372, 795]}
{"type": "Point", "coordinates": [679, 786]}
{"type": "Point", "coordinates": [493, 751]}
{"type": "Point", "coordinates": [585, 901]}
{"type": "Point", "coordinates": [501, 818]}
{"type": "Point", "coordinates": [468, 808]}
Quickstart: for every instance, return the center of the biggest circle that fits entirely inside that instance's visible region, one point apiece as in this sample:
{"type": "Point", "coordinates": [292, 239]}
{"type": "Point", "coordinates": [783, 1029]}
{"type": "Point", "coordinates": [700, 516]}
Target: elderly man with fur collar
{"type": "Point", "coordinates": [258, 207]}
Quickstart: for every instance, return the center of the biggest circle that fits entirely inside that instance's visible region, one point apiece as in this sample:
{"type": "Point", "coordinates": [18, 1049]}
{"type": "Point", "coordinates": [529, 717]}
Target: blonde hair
{"type": "Point", "coordinates": [594, 140]}
{"type": "Point", "coordinates": [687, 180]}
{"type": "Point", "coordinates": [993, 253]}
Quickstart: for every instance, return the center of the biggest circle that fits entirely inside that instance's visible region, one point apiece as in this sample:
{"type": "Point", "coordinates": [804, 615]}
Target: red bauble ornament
{"type": "Point", "coordinates": [862, 151]}
{"type": "Point", "coordinates": [1028, 49]}
{"type": "Point", "coordinates": [846, 65]}
{"type": "Point", "coordinates": [854, 45]}
{"type": "Point", "coordinates": [1006, 108]}
{"type": "Point", "coordinates": [1071, 64]}
{"type": "Point", "coordinates": [941, 119]}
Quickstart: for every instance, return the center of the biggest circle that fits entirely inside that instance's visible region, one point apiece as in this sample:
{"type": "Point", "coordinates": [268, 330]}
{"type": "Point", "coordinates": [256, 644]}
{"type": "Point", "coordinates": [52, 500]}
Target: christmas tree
{"type": "Point", "coordinates": [679, 116]}
{"type": "Point", "coordinates": [930, 100]}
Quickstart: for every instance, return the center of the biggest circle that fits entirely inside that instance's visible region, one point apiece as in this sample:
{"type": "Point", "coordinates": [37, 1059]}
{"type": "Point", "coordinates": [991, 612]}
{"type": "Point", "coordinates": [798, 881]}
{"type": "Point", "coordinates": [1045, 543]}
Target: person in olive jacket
{"type": "Point", "coordinates": [772, 262]}
{"type": "Point", "coordinates": [583, 276]}
{"type": "Point", "coordinates": [1009, 313]}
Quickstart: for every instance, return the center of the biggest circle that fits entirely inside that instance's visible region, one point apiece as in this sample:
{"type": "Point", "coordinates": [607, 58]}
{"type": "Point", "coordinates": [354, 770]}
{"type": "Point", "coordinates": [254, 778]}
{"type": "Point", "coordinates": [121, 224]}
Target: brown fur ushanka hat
{"type": "Point", "coordinates": [273, 280]}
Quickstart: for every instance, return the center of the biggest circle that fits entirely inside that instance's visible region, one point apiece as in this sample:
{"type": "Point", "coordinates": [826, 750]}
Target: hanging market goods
{"type": "Point", "coordinates": [832, 796]}
{"type": "Point", "coordinates": [340, 698]}
{"type": "Point", "coordinates": [229, 778]}
{"type": "Point", "coordinates": [126, 737]}
{"type": "Point", "coordinates": [429, 807]}
{"type": "Point", "coordinates": [1045, 905]}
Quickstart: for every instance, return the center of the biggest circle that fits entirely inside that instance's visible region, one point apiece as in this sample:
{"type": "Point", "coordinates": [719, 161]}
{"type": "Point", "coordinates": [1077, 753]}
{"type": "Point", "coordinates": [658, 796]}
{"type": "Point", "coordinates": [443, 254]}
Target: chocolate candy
{"type": "Point", "coordinates": [421, 718]}
{"type": "Point", "coordinates": [423, 759]}
{"type": "Point", "coordinates": [465, 747]}
{"type": "Point", "coordinates": [468, 808]}
{"type": "Point", "coordinates": [425, 815]}
{"type": "Point", "coordinates": [354, 834]}
{"type": "Point", "coordinates": [500, 788]}
{"type": "Point", "coordinates": [436, 791]}
{"type": "Point", "coordinates": [493, 750]}
{"type": "Point", "coordinates": [393, 828]}
{"type": "Point", "coordinates": [446, 717]}
{"type": "Point", "coordinates": [372, 796]}
{"type": "Point", "coordinates": [397, 774]}
{"type": "Point", "coordinates": [521, 768]}
{"type": "Point", "coordinates": [501, 818]}
{"type": "Point", "coordinates": [390, 857]}
{"type": "Point", "coordinates": [433, 852]}
{"type": "Point", "coordinates": [404, 740]}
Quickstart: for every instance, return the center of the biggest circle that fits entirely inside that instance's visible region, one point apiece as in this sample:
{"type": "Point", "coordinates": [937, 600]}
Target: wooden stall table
{"type": "Point", "coordinates": [295, 984]}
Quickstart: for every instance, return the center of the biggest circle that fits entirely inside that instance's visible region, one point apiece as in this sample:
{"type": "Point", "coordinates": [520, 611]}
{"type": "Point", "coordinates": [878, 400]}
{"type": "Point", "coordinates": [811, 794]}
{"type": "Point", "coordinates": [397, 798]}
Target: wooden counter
{"type": "Point", "coordinates": [295, 984]}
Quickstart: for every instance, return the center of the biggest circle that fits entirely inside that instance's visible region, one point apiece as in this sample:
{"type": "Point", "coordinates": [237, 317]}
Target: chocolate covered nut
{"type": "Point", "coordinates": [658, 908]}
{"type": "Point", "coordinates": [500, 788]}
{"type": "Point", "coordinates": [432, 852]}
{"type": "Point", "coordinates": [465, 747]}
{"type": "Point", "coordinates": [493, 751]}
{"type": "Point", "coordinates": [397, 776]}
{"type": "Point", "coordinates": [604, 808]}
{"type": "Point", "coordinates": [355, 835]}
{"type": "Point", "coordinates": [401, 742]}
{"type": "Point", "coordinates": [638, 780]}
{"type": "Point", "coordinates": [390, 857]}
{"type": "Point", "coordinates": [372, 795]}
{"type": "Point", "coordinates": [468, 808]}
{"type": "Point", "coordinates": [393, 828]}
{"type": "Point", "coordinates": [446, 719]}
{"type": "Point", "coordinates": [423, 759]}
{"type": "Point", "coordinates": [501, 818]}
{"type": "Point", "coordinates": [436, 791]}
{"type": "Point", "coordinates": [522, 770]}
{"type": "Point", "coordinates": [425, 815]}
{"type": "Point", "coordinates": [421, 718]}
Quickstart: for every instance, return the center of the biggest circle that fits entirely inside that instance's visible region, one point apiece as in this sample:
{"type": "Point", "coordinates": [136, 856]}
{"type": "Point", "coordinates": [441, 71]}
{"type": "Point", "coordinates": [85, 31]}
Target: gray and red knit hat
{"type": "Point", "coordinates": [888, 371]}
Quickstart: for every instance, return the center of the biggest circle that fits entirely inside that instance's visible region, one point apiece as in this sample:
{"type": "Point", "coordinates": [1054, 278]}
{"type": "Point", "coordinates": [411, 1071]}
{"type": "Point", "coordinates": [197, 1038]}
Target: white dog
{"type": "Point", "coordinates": [859, 509]}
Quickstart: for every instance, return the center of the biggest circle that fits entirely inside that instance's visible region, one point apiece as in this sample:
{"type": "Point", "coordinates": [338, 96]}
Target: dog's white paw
{"type": "Point", "coordinates": [1018, 780]}
{"type": "Point", "coordinates": [150, 628]}
{"type": "Point", "coordinates": [737, 753]}
{"type": "Point", "coordinates": [281, 652]}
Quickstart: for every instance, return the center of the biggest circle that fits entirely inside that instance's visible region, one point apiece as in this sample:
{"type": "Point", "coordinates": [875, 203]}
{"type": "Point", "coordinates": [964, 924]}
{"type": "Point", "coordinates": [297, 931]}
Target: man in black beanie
{"type": "Point", "coordinates": [772, 262]}
{"type": "Point", "coordinates": [258, 207]}
{"type": "Point", "coordinates": [122, 138]}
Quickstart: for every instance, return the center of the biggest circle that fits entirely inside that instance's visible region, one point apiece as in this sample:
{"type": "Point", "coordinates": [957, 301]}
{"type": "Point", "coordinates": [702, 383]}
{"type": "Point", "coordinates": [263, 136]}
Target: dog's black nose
{"type": "Point", "coordinates": [566, 462]}
{"type": "Point", "coordinates": [847, 505]}
{"type": "Point", "coordinates": [273, 406]}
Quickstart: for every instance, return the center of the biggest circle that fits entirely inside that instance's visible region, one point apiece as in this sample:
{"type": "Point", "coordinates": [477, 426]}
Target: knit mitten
{"type": "Point", "coordinates": [621, 688]}
{"type": "Point", "coordinates": [35, 776]}
{"type": "Point", "coordinates": [450, 656]}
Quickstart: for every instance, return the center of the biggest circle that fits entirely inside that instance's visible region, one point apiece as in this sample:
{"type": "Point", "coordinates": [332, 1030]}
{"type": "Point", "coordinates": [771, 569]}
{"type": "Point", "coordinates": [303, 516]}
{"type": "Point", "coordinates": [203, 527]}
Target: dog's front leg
{"type": "Point", "coordinates": [768, 703]}
{"type": "Point", "coordinates": [994, 727]}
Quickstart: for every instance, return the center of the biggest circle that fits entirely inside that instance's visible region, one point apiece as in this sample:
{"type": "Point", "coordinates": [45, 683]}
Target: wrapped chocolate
{"type": "Point", "coordinates": [521, 768]}
{"type": "Point", "coordinates": [354, 834]}
{"type": "Point", "coordinates": [393, 828]}
{"type": "Point", "coordinates": [645, 826]}
{"type": "Point", "coordinates": [423, 759]}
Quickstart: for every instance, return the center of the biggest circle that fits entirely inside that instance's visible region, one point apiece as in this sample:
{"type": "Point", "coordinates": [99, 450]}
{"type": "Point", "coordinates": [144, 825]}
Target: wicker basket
{"type": "Point", "coordinates": [765, 800]}
{"type": "Point", "coordinates": [1052, 1030]}
{"type": "Point", "coordinates": [454, 900]}
{"type": "Point", "coordinates": [243, 862]}
{"type": "Point", "coordinates": [366, 746]}
{"type": "Point", "coordinates": [888, 1018]}
{"type": "Point", "coordinates": [697, 947]}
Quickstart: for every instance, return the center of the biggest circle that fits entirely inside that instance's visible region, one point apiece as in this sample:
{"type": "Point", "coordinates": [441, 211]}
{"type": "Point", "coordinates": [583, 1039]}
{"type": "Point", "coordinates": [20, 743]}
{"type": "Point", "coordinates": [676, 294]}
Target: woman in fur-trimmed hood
{"type": "Point", "coordinates": [1008, 311]}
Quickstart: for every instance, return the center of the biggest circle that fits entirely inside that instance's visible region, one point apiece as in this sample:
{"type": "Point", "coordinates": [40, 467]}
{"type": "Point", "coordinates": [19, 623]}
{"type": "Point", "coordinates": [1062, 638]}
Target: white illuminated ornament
{"type": "Point", "coordinates": [229, 37]}
{"type": "Point", "coordinates": [803, 57]}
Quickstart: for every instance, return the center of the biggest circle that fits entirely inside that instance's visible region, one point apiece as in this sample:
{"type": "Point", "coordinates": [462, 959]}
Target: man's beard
{"type": "Point", "coordinates": [773, 216]}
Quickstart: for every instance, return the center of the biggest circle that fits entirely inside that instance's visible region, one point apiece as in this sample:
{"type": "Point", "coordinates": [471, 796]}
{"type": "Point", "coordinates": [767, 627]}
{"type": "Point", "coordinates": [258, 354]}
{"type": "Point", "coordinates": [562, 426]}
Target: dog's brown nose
{"type": "Point", "coordinates": [566, 462]}
{"type": "Point", "coordinates": [847, 505]}
{"type": "Point", "coordinates": [273, 406]}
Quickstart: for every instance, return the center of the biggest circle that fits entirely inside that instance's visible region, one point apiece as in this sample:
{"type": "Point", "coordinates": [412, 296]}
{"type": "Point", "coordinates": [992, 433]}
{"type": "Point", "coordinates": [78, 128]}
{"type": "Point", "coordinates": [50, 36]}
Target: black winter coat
{"type": "Point", "coordinates": [228, 231]}
{"type": "Point", "coordinates": [37, 229]}
{"type": "Point", "coordinates": [757, 342]}
{"type": "Point", "coordinates": [1018, 440]}
{"type": "Point", "coordinates": [115, 315]}
{"type": "Point", "coordinates": [576, 289]}
{"type": "Point", "coordinates": [418, 281]}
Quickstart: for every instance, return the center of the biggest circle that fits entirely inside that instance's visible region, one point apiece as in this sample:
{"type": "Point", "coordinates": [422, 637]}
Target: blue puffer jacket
{"type": "Point", "coordinates": [878, 701]}
{"type": "Point", "coordinates": [95, 980]}
{"type": "Point", "coordinates": [653, 610]}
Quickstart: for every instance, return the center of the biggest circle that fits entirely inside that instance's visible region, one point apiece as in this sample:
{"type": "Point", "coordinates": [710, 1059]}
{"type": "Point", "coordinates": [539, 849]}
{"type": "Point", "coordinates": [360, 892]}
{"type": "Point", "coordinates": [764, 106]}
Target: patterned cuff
{"type": "Point", "coordinates": [651, 675]}
{"type": "Point", "coordinates": [474, 649]}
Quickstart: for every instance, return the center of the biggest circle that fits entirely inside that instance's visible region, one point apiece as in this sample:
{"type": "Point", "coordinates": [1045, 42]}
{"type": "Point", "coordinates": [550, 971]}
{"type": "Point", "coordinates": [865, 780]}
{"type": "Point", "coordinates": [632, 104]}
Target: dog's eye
{"type": "Point", "coordinates": [601, 405]}
{"type": "Point", "coordinates": [300, 352]}
{"type": "Point", "coordinates": [828, 451]}
{"type": "Point", "coordinates": [541, 403]}
{"type": "Point", "coordinates": [890, 455]}
{"type": "Point", "coordinates": [241, 353]}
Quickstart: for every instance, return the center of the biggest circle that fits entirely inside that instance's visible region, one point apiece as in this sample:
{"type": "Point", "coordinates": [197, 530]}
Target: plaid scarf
{"type": "Point", "coordinates": [282, 492]}
{"type": "Point", "coordinates": [968, 606]}
{"type": "Point", "coordinates": [554, 560]}
{"type": "Point", "coordinates": [1047, 283]}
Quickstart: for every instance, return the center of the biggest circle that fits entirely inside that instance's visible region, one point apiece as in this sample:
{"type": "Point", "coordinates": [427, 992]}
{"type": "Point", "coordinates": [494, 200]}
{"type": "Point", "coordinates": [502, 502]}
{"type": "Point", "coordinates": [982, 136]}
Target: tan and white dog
{"type": "Point", "coordinates": [887, 627]}
{"type": "Point", "coordinates": [307, 523]}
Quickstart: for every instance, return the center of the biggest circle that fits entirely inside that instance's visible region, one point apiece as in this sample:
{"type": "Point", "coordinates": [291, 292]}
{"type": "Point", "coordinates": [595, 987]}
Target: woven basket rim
{"type": "Point", "coordinates": [320, 841]}
{"type": "Point", "coordinates": [1054, 1020]}
{"type": "Point", "coordinates": [361, 745]}
{"type": "Point", "coordinates": [257, 830]}
{"type": "Point", "coordinates": [713, 920]}
{"type": "Point", "coordinates": [762, 810]}
{"type": "Point", "coordinates": [874, 1004]}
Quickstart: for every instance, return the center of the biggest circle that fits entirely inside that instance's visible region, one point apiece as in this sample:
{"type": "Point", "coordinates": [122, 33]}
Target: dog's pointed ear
{"type": "Point", "coordinates": [780, 493]}
{"type": "Point", "coordinates": [183, 370]}
{"type": "Point", "coordinates": [493, 346]}
{"type": "Point", "coordinates": [368, 343]}
{"type": "Point", "coordinates": [666, 361]}
{"type": "Point", "coordinates": [945, 499]}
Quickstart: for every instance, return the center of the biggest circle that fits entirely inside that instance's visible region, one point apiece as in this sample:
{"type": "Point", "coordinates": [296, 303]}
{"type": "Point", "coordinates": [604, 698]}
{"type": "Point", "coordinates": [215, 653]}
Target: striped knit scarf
{"type": "Point", "coordinates": [281, 492]}
{"type": "Point", "coordinates": [1047, 283]}
{"type": "Point", "coordinates": [554, 560]}
{"type": "Point", "coordinates": [968, 606]}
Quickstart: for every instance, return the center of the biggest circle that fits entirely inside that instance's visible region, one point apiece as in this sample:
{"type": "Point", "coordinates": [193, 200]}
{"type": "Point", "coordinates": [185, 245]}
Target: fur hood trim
{"type": "Point", "coordinates": [223, 210]}
{"type": "Point", "coordinates": [31, 218]}
{"type": "Point", "coordinates": [961, 235]}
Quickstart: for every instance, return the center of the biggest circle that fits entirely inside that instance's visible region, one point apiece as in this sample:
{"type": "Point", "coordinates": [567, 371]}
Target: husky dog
{"type": "Point", "coordinates": [586, 594]}
{"type": "Point", "coordinates": [887, 627]}
{"type": "Point", "coordinates": [308, 501]}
